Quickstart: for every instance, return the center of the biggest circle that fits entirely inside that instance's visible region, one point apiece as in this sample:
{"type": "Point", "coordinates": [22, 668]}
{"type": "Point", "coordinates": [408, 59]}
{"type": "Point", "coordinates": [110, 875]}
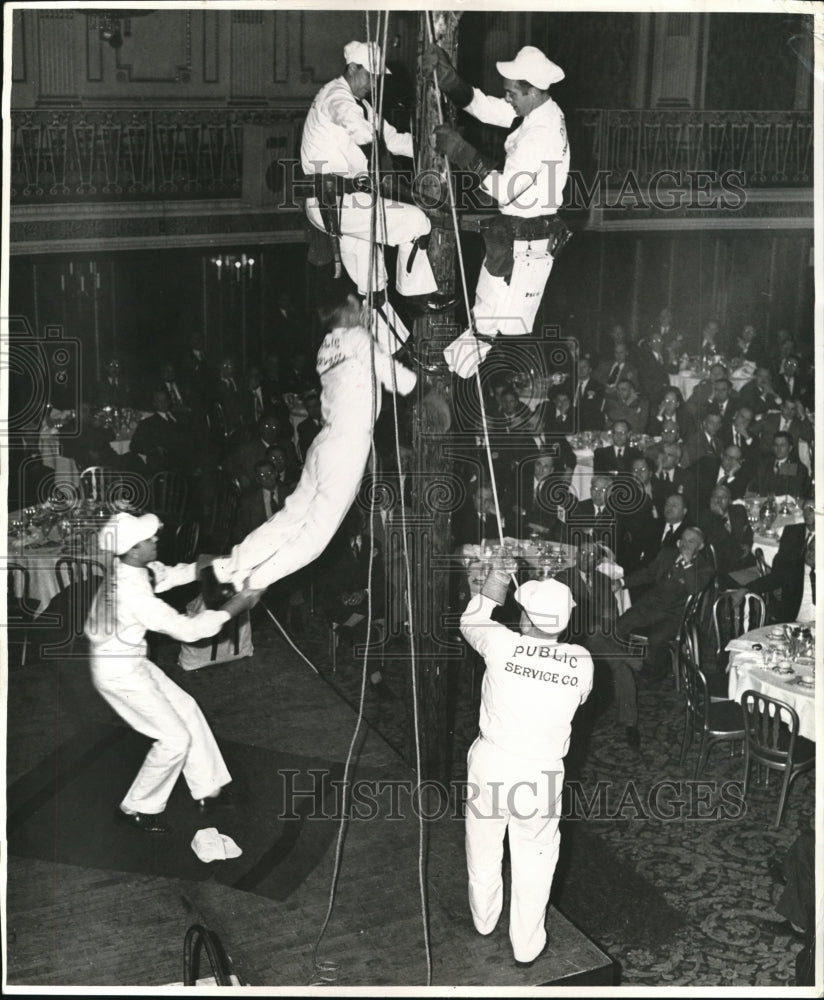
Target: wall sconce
{"type": "Point", "coordinates": [237, 265]}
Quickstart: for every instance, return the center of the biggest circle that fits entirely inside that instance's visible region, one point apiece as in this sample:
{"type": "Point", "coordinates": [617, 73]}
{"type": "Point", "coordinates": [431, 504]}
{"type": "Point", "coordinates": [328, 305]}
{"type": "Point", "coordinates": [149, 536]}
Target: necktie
{"type": "Point", "coordinates": [778, 467]}
{"type": "Point", "coordinates": [727, 524]}
{"type": "Point", "coordinates": [667, 533]}
{"type": "Point", "coordinates": [355, 548]}
{"type": "Point", "coordinates": [599, 511]}
{"type": "Point", "coordinates": [274, 498]}
{"type": "Point", "coordinates": [613, 375]}
{"type": "Point", "coordinates": [619, 452]}
{"type": "Point", "coordinates": [809, 543]}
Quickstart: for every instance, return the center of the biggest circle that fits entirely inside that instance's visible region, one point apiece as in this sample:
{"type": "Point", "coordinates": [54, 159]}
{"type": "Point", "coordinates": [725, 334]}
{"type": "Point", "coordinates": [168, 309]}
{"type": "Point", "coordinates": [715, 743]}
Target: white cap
{"type": "Point", "coordinates": [533, 66]}
{"type": "Point", "coordinates": [548, 603]}
{"type": "Point", "coordinates": [365, 54]}
{"type": "Point", "coordinates": [123, 531]}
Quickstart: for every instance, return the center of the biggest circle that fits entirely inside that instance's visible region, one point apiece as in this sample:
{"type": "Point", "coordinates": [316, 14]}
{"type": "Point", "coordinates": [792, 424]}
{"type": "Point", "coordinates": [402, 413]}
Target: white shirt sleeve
{"type": "Point", "coordinates": [398, 143]}
{"type": "Point", "coordinates": [168, 577]}
{"type": "Point", "coordinates": [156, 615]}
{"type": "Point", "coordinates": [404, 379]}
{"type": "Point", "coordinates": [536, 166]}
{"type": "Point", "coordinates": [490, 110]}
{"type": "Point", "coordinates": [483, 635]}
{"type": "Point", "coordinates": [344, 110]}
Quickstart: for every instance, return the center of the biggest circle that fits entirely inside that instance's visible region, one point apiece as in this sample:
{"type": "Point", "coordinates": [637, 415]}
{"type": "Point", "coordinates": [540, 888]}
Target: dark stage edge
{"type": "Point", "coordinates": [71, 925]}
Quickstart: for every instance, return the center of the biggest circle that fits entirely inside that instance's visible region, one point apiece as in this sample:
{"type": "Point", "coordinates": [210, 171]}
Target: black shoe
{"type": "Point", "coordinates": [776, 870]}
{"type": "Point", "coordinates": [214, 593]}
{"type": "Point", "coordinates": [409, 357]}
{"type": "Point", "coordinates": [430, 304]}
{"type": "Point", "coordinates": [147, 822]}
{"type": "Point", "coordinates": [225, 799]}
{"type": "Point", "coordinates": [633, 738]}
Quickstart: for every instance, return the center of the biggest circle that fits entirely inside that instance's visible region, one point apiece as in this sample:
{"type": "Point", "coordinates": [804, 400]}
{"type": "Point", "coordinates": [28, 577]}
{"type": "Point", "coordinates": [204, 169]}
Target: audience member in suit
{"type": "Point", "coordinates": [790, 384]}
{"type": "Point", "coordinates": [161, 439]}
{"type": "Point", "coordinates": [791, 580]}
{"type": "Point", "coordinates": [88, 441]}
{"type": "Point", "coordinates": [288, 327]}
{"type": "Point", "coordinates": [228, 396]}
{"type": "Point", "coordinates": [664, 532]}
{"type": "Point", "coordinates": [727, 528]}
{"type": "Point", "coordinates": [299, 374]}
{"type": "Point", "coordinates": [260, 501]}
{"type": "Point", "coordinates": [179, 399]}
{"type": "Point", "coordinates": [705, 441]}
{"type": "Point", "coordinates": [638, 517]}
{"type": "Point", "coordinates": [610, 373]}
{"type": "Point", "coordinates": [702, 393]}
{"type": "Point", "coordinates": [712, 342]}
{"type": "Point", "coordinates": [618, 456]}
{"type": "Point", "coordinates": [723, 401]}
{"type": "Point", "coordinates": [743, 435]}
{"type": "Point", "coordinates": [653, 369]}
{"type": "Point", "coordinates": [475, 520]}
{"type": "Point", "coordinates": [791, 420]}
{"type": "Point", "coordinates": [708, 472]}
{"type": "Point", "coordinates": [595, 518]}
{"type": "Point", "coordinates": [588, 400]}
{"type": "Point", "coordinates": [241, 461]}
{"type": "Point", "coordinates": [671, 413]}
{"type": "Point", "coordinates": [780, 474]}
{"type": "Point", "coordinates": [758, 394]}
{"type": "Point", "coordinates": [628, 405]}
{"type": "Point", "coordinates": [543, 500]}
{"type": "Point", "coordinates": [252, 398]}
{"type": "Point", "coordinates": [516, 433]}
{"type": "Point", "coordinates": [197, 375]}
{"type": "Point", "coordinates": [309, 428]}
{"type": "Point", "coordinates": [114, 389]}
{"type": "Point", "coordinates": [669, 477]}
{"type": "Point", "coordinates": [748, 347]}
{"type": "Point", "coordinates": [559, 419]}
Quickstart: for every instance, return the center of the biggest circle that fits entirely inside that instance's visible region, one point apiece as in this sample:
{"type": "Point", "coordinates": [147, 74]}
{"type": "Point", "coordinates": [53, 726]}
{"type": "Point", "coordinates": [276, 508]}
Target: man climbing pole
{"type": "Point", "coordinates": [525, 238]}
{"type": "Point", "coordinates": [336, 149]}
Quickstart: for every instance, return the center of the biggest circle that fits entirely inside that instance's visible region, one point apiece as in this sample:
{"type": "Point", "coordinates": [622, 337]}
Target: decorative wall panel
{"type": "Point", "coordinates": [56, 50]}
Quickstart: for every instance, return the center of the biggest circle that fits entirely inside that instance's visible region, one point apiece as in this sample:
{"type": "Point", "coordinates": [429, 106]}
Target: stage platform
{"type": "Point", "coordinates": [90, 903]}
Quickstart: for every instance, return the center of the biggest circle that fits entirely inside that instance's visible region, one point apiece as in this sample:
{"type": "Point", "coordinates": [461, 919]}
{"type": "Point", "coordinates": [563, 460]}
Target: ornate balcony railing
{"type": "Point", "coordinates": [123, 154]}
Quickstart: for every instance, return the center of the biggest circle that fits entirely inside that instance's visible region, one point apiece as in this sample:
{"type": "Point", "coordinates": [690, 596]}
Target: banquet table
{"type": "Point", "coordinates": [40, 564]}
{"type": "Point", "coordinates": [686, 381]}
{"type": "Point", "coordinates": [768, 543]}
{"type": "Point", "coordinates": [749, 669]}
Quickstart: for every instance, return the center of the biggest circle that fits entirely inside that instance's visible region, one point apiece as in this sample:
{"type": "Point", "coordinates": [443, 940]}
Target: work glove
{"type": "Point", "coordinates": [496, 585]}
{"type": "Point", "coordinates": [435, 60]}
{"type": "Point", "coordinates": [461, 153]}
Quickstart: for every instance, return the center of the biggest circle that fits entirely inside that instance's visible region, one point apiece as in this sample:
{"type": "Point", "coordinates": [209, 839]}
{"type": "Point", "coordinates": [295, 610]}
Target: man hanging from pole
{"type": "Point", "coordinates": [335, 155]}
{"type": "Point", "coordinates": [525, 238]}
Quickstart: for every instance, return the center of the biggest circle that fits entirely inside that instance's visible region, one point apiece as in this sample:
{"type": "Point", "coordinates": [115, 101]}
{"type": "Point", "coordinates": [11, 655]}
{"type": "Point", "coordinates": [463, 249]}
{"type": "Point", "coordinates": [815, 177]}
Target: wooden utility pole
{"type": "Point", "coordinates": [431, 519]}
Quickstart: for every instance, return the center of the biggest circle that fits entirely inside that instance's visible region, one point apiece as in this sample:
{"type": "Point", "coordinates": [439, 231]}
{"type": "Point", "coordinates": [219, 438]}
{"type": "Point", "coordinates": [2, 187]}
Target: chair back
{"type": "Point", "coordinates": [220, 525]}
{"type": "Point", "coordinates": [761, 562]}
{"type": "Point", "coordinates": [770, 729]}
{"type": "Point", "coordinates": [186, 539]}
{"type": "Point", "coordinates": [692, 680]}
{"type": "Point", "coordinates": [169, 493]}
{"type": "Point", "coordinates": [731, 620]}
{"type": "Point", "coordinates": [709, 548]}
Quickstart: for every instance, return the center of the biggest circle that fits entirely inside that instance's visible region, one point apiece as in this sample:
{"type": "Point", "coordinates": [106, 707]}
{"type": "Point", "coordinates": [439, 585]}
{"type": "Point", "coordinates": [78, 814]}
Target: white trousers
{"type": "Point", "coordinates": [523, 796]}
{"type": "Point", "coordinates": [296, 535]}
{"type": "Point", "coordinates": [397, 225]}
{"type": "Point", "coordinates": [154, 705]}
{"type": "Point", "coordinates": [503, 307]}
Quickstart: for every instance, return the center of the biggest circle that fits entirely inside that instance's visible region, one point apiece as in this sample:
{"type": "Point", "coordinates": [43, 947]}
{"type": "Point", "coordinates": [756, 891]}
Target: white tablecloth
{"type": "Point", "coordinates": [687, 381]}
{"type": "Point", "coordinates": [769, 543]}
{"type": "Point", "coordinates": [747, 672]}
{"type": "Point", "coordinates": [40, 564]}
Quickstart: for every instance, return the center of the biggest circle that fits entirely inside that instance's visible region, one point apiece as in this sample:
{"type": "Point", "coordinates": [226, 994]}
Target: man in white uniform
{"type": "Point", "coordinates": [522, 241]}
{"type": "Point", "coordinates": [532, 688]}
{"type": "Point", "coordinates": [124, 609]}
{"type": "Point", "coordinates": [335, 153]}
{"type": "Point", "coordinates": [352, 368]}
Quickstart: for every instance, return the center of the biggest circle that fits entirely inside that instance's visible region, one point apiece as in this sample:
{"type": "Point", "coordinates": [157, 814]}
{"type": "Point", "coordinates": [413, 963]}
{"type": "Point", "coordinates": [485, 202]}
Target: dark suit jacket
{"type": "Point", "coordinates": [799, 430]}
{"type": "Point", "coordinates": [470, 528]}
{"type": "Point", "coordinates": [668, 589]}
{"type": "Point", "coordinates": [803, 389]}
{"type": "Point", "coordinates": [594, 603]}
{"type": "Point", "coordinates": [342, 572]}
{"type": "Point", "coordinates": [786, 575]}
{"type": "Point", "coordinates": [589, 406]}
{"type": "Point", "coordinates": [605, 459]}
{"type": "Point", "coordinates": [663, 488]}
{"type": "Point", "coordinates": [652, 539]}
{"type": "Point", "coordinates": [605, 373]}
{"type": "Point", "coordinates": [703, 478]}
{"type": "Point", "coordinates": [749, 452]}
{"type": "Point", "coordinates": [308, 430]}
{"type": "Point", "coordinates": [758, 403]}
{"type": "Point", "coordinates": [163, 442]}
{"type": "Point", "coordinates": [733, 547]}
{"type": "Point", "coordinates": [653, 377]}
{"type": "Point", "coordinates": [541, 507]}
{"type": "Point", "coordinates": [230, 400]}
{"type": "Point", "coordinates": [792, 478]}
{"type": "Point", "coordinates": [119, 395]}
{"type": "Point", "coordinates": [556, 424]}
{"type": "Point", "coordinates": [683, 418]}
{"type": "Point", "coordinates": [197, 380]}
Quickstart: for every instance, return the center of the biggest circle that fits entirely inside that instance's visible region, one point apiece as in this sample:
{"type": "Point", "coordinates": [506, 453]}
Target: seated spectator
{"type": "Point", "coordinates": [610, 373]}
{"type": "Point", "coordinates": [723, 401]}
{"type": "Point", "coordinates": [475, 519]}
{"type": "Point", "coordinates": [299, 374]}
{"type": "Point", "coordinates": [704, 442]}
{"type": "Point", "coordinates": [114, 389]}
{"type": "Point", "coordinates": [629, 406]}
{"type": "Point", "coordinates": [287, 476]}
{"type": "Point", "coordinates": [559, 418]}
{"type": "Point", "coordinates": [240, 463]}
{"type": "Point", "coordinates": [727, 529]}
{"type": "Point", "coordinates": [791, 580]}
{"type": "Point", "coordinates": [88, 440]}
{"type": "Point", "coordinates": [661, 533]}
{"type": "Point", "coordinates": [710, 471]}
{"type": "Point", "coordinates": [543, 501]}
{"type": "Point", "coordinates": [618, 456]}
{"type": "Point", "coordinates": [161, 439]}
{"type": "Point", "coordinates": [309, 428]}
{"type": "Point", "coordinates": [638, 517]}
{"type": "Point", "coordinates": [671, 413]}
{"type": "Point", "coordinates": [791, 419]}
{"type": "Point", "coordinates": [748, 347]}
{"type": "Point", "coordinates": [653, 369]}
{"type": "Point", "coordinates": [588, 401]}
{"type": "Point", "coordinates": [259, 501]}
{"type": "Point", "coordinates": [595, 517]}
{"type": "Point", "coordinates": [712, 343]}
{"type": "Point", "coordinates": [791, 383]}
{"type": "Point", "coordinates": [742, 435]}
{"type": "Point", "coordinates": [759, 395]}
{"type": "Point", "coordinates": [252, 399]}
{"type": "Point", "coordinates": [178, 397]}
{"type": "Point", "coordinates": [227, 394]}
{"type": "Point", "coordinates": [701, 395]}
{"type": "Point", "coordinates": [780, 474]}
{"type": "Point", "coordinates": [669, 477]}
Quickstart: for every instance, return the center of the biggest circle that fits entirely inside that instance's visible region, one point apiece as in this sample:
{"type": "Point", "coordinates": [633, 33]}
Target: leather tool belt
{"type": "Point", "coordinates": [501, 231]}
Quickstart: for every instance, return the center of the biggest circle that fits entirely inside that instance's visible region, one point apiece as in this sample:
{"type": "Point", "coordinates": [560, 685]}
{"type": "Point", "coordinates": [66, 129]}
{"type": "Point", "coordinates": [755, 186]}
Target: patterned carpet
{"type": "Point", "coordinates": [697, 855]}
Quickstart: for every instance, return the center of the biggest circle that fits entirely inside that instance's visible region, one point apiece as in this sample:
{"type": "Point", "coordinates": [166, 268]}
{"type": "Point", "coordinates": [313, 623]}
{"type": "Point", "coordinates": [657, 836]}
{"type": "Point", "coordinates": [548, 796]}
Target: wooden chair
{"type": "Point", "coordinates": [169, 493]}
{"type": "Point", "coordinates": [771, 741]}
{"type": "Point", "coordinates": [693, 609]}
{"type": "Point", "coordinates": [187, 536]}
{"type": "Point", "coordinates": [78, 582]}
{"type": "Point", "coordinates": [730, 621]}
{"type": "Point", "coordinates": [220, 522]}
{"type": "Point", "coordinates": [716, 721]}
{"type": "Point", "coordinates": [18, 614]}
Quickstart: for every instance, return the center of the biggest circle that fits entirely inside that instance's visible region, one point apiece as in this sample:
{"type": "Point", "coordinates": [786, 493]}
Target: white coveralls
{"type": "Point", "coordinates": [335, 462]}
{"type": "Point", "coordinates": [333, 133]}
{"type": "Point", "coordinates": [531, 690]}
{"type": "Point", "coordinates": [124, 609]}
{"type": "Point", "coordinates": [530, 185]}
